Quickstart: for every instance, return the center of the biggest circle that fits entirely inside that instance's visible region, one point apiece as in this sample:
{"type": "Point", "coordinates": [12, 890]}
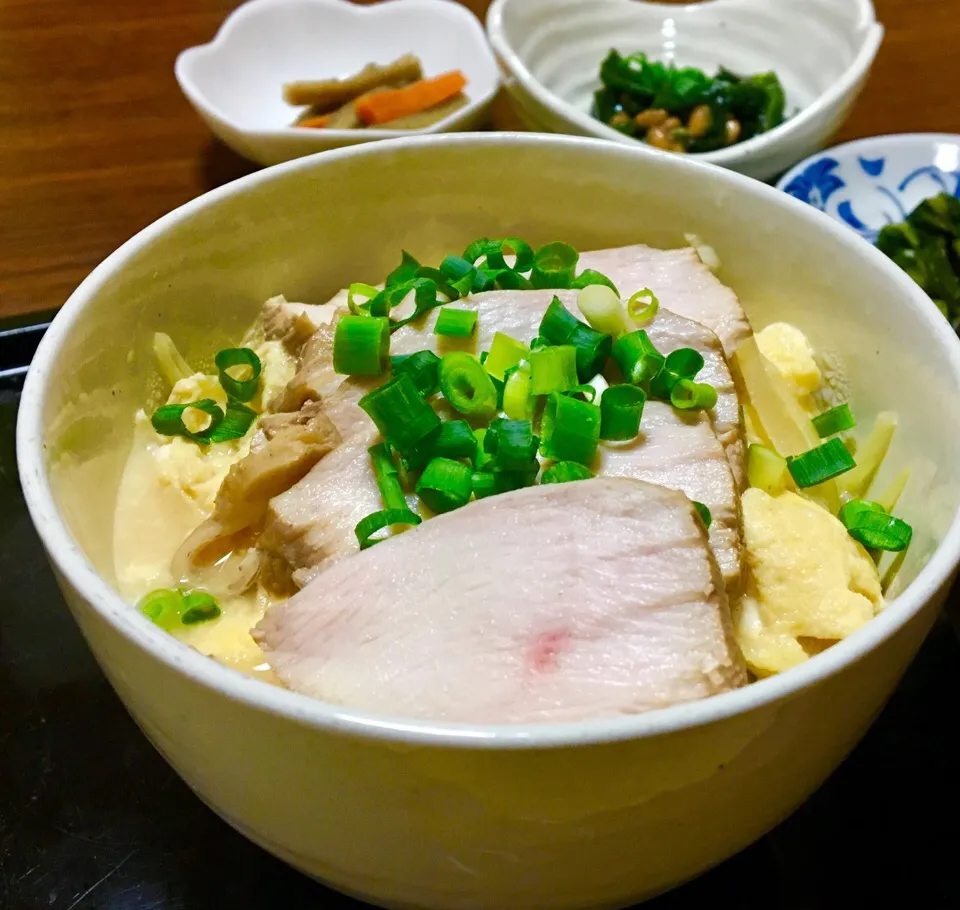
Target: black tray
{"type": "Point", "coordinates": [91, 818]}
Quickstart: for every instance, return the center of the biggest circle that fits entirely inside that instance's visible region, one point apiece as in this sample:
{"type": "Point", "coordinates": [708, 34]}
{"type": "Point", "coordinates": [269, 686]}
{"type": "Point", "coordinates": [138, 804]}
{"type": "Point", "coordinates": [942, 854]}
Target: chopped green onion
{"type": "Point", "coordinates": [386, 475]}
{"type": "Point", "coordinates": [766, 470]}
{"type": "Point", "coordinates": [570, 429]}
{"type": "Point", "coordinates": [539, 343]}
{"type": "Point", "coordinates": [198, 607]}
{"type": "Point", "coordinates": [236, 422]}
{"type": "Point", "coordinates": [479, 249]}
{"type": "Point", "coordinates": [440, 280]}
{"type": "Point", "coordinates": [459, 274]}
{"type": "Point", "coordinates": [603, 309]}
{"type": "Point", "coordinates": [589, 278]}
{"type": "Point", "coordinates": [849, 511]}
{"type": "Point", "coordinates": [456, 440]}
{"type": "Point", "coordinates": [553, 369]}
{"type": "Point", "coordinates": [836, 420]}
{"type": "Point", "coordinates": [162, 607]}
{"type": "Point", "coordinates": [483, 459]}
{"type": "Point", "coordinates": [643, 306]}
{"type": "Point", "coordinates": [491, 439]}
{"type": "Point", "coordinates": [485, 483]}
{"type": "Point", "coordinates": [491, 483]}
{"type": "Point", "coordinates": [404, 419]}
{"type": "Point", "coordinates": [689, 395]}
{"type": "Point", "coordinates": [554, 266]}
{"type": "Point", "coordinates": [822, 463]}
{"type": "Point", "coordinates": [621, 408]}
{"type": "Point", "coordinates": [222, 426]}
{"type": "Point", "coordinates": [518, 403]}
{"type": "Point", "coordinates": [403, 273]}
{"type": "Point", "coordinates": [456, 323]}
{"type": "Point", "coordinates": [588, 391]}
{"type": "Point", "coordinates": [560, 326]}
{"type": "Point", "coordinates": [566, 471]}
{"type": "Point", "coordinates": [704, 514]}
{"type": "Point", "coordinates": [637, 357]}
{"type": "Point", "coordinates": [361, 346]}
{"type": "Point", "coordinates": [445, 484]}
{"type": "Point", "coordinates": [467, 385]}
{"type": "Point", "coordinates": [246, 360]}
{"type": "Point", "coordinates": [493, 251]}
{"type": "Point", "coordinates": [868, 523]}
{"type": "Point", "coordinates": [519, 248]}
{"type": "Point", "coordinates": [424, 291]}
{"type": "Point", "coordinates": [516, 445]}
{"type": "Point", "coordinates": [359, 289]}
{"type": "Point", "coordinates": [684, 363]}
{"type": "Point", "coordinates": [168, 420]}
{"type": "Point", "coordinates": [423, 368]}
{"type": "Point", "coordinates": [505, 352]}
{"type": "Point", "coordinates": [377, 521]}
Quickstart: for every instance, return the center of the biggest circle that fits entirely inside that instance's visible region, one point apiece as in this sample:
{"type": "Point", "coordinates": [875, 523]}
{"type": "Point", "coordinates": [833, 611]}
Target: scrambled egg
{"type": "Point", "coordinates": [788, 349]}
{"type": "Point", "coordinates": [169, 487]}
{"type": "Point", "coordinates": [809, 582]}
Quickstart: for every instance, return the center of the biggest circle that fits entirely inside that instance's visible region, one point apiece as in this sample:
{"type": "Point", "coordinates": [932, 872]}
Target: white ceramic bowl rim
{"type": "Point", "coordinates": [891, 140]}
{"type": "Point", "coordinates": [301, 709]}
{"type": "Point", "coordinates": [859, 65]}
{"type": "Point", "coordinates": [255, 7]}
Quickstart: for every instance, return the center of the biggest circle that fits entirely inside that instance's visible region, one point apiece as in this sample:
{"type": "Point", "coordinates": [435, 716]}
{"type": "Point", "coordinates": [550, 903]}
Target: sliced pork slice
{"type": "Point", "coordinates": [681, 451]}
{"type": "Point", "coordinates": [312, 524]}
{"type": "Point", "coordinates": [554, 603]}
{"type": "Point", "coordinates": [518, 314]}
{"type": "Point", "coordinates": [290, 446]}
{"type": "Point", "coordinates": [294, 323]}
{"type": "Point", "coordinates": [682, 283]}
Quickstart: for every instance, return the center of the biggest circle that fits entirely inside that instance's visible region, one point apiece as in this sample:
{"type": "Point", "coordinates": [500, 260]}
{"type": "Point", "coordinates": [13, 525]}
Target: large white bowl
{"type": "Point", "coordinates": [235, 82]}
{"type": "Point", "coordinates": [822, 50]}
{"type": "Point", "coordinates": [414, 814]}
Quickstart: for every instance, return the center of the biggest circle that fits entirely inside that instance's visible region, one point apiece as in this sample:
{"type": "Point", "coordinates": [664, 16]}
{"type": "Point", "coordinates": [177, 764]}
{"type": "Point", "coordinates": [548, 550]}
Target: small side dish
{"type": "Point", "coordinates": [395, 96]}
{"type": "Point", "coordinates": [685, 110]}
{"type": "Point", "coordinates": [927, 247]}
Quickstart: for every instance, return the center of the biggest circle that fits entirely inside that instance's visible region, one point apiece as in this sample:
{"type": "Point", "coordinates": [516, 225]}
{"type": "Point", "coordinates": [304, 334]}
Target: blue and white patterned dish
{"type": "Point", "coordinates": [872, 182]}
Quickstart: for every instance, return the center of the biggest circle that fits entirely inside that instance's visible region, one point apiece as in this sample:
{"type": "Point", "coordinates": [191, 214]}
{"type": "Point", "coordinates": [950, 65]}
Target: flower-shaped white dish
{"type": "Point", "coordinates": [235, 82]}
{"type": "Point", "coordinates": [821, 50]}
{"type": "Point", "coordinates": [877, 181]}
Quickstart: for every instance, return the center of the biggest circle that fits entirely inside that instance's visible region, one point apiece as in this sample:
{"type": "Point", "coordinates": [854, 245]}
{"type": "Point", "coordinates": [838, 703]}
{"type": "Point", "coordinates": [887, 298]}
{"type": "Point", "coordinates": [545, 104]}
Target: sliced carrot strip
{"type": "Point", "coordinates": [314, 122]}
{"type": "Point", "coordinates": [402, 102]}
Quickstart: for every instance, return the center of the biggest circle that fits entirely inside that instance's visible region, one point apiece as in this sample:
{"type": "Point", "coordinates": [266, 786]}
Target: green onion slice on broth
{"type": "Point", "coordinates": [870, 524]}
{"type": "Point", "coordinates": [836, 420]}
{"type": "Point", "coordinates": [239, 360]}
{"type": "Point", "coordinates": [822, 463]}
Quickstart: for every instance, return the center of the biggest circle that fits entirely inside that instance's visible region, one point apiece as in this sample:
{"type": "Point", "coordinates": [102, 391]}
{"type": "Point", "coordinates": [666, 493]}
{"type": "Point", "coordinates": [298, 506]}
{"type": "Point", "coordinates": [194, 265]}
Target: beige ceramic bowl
{"type": "Point", "coordinates": [411, 814]}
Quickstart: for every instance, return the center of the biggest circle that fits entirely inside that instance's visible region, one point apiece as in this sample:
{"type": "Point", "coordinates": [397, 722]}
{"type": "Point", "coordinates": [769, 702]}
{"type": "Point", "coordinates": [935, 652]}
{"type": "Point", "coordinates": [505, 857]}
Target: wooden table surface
{"type": "Point", "coordinates": [96, 140]}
